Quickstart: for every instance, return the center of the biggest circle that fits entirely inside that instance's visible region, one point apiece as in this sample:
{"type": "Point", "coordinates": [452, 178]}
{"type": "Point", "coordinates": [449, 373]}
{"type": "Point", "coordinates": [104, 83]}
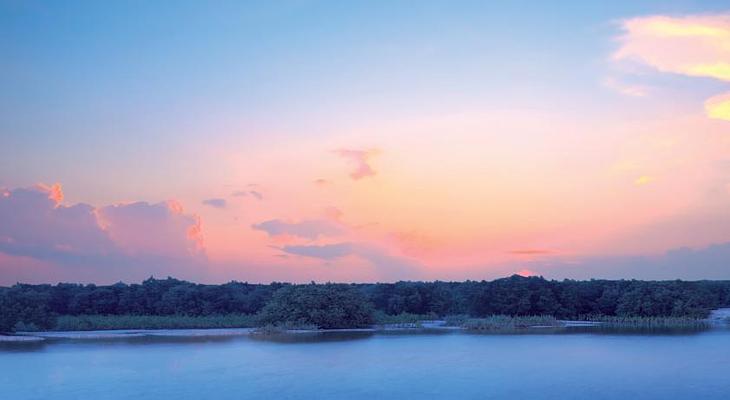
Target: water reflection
{"type": "Point", "coordinates": [571, 363]}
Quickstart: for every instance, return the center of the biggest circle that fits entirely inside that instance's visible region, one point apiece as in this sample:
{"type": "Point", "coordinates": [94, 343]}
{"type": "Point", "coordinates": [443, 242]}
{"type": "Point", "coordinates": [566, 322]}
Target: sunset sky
{"type": "Point", "coordinates": [364, 141]}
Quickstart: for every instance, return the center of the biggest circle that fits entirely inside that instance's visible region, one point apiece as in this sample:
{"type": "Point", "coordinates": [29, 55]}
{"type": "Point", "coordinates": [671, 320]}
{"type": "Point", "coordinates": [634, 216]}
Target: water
{"type": "Point", "coordinates": [374, 366]}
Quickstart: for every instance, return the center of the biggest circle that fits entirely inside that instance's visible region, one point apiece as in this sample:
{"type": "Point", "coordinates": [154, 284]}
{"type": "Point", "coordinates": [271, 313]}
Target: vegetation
{"type": "Point", "coordinates": [650, 322]}
{"type": "Point", "coordinates": [174, 303]}
{"type": "Point", "coordinates": [326, 306]}
{"type": "Point", "coordinates": [509, 323]}
{"type": "Point", "coordinates": [105, 322]}
{"type": "Point", "coordinates": [402, 319]}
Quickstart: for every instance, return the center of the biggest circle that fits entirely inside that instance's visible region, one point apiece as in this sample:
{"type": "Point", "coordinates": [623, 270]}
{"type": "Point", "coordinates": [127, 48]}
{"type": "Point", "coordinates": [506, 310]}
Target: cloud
{"type": "Point", "coordinates": [324, 252]}
{"type": "Point", "coordinates": [161, 229]}
{"type": "Point", "coordinates": [216, 202]}
{"type": "Point", "coordinates": [360, 160]}
{"type": "Point", "coordinates": [710, 262]}
{"type": "Point", "coordinates": [251, 191]}
{"type": "Point", "coordinates": [388, 267]}
{"type": "Point", "coordinates": [626, 89]}
{"type": "Point", "coordinates": [531, 252]}
{"type": "Point", "coordinates": [697, 46]}
{"type": "Point", "coordinates": [692, 45]}
{"type": "Point", "coordinates": [643, 180]}
{"type": "Point", "coordinates": [35, 224]}
{"type": "Point", "coordinates": [307, 229]}
{"type": "Point", "coordinates": [718, 107]}
{"type": "Point", "coordinates": [140, 236]}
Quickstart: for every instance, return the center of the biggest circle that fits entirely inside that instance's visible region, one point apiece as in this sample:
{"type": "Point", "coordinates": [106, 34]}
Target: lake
{"type": "Point", "coordinates": [578, 365]}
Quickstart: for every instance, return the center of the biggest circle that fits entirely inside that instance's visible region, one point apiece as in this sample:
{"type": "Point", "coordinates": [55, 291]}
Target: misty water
{"type": "Point", "coordinates": [577, 365]}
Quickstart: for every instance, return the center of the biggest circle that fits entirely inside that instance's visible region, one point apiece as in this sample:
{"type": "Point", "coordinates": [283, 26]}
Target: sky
{"type": "Point", "coordinates": [363, 141]}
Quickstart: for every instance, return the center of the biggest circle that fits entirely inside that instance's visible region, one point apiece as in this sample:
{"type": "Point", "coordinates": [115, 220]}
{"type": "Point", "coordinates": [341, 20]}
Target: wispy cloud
{"type": "Point", "coordinates": [215, 203]}
{"type": "Point", "coordinates": [245, 193]}
{"type": "Point", "coordinates": [360, 160]}
{"type": "Point", "coordinates": [626, 89]}
{"type": "Point", "coordinates": [308, 229]}
{"type": "Point", "coordinates": [531, 252]}
{"type": "Point", "coordinates": [324, 252]}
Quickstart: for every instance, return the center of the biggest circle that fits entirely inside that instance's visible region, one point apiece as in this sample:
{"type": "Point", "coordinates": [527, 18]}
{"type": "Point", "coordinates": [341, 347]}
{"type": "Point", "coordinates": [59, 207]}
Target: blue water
{"type": "Point", "coordinates": [374, 366]}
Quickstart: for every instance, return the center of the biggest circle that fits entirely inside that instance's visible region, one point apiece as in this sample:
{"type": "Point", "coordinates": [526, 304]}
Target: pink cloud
{"type": "Point", "coordinates": [160, 229]}
{"type": "Point", "coordinates": [37, 226]}
{"type": "Point", "coordinates": [307, 229]}
{"type": "Point", "coordinates": [360, 161]}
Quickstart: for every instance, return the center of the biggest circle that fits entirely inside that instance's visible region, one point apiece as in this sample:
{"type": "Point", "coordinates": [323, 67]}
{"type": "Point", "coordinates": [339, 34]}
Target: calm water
{"type": "Point", "coordinates": [380, 366]}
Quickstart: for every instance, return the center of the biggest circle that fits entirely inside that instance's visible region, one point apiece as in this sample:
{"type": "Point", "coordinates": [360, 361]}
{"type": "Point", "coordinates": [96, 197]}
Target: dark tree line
{"type": "Point", "coordinates": [516, 295]}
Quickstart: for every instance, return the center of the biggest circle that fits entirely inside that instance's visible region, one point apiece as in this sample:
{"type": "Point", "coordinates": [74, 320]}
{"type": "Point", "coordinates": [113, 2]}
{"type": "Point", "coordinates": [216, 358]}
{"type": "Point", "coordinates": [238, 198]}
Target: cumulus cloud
{"type": "Point", "coordinates": [697, 45]}
{"type": "Point", "coordinates": [36, 225]}
{"type": "Point", "coordinates": [359, 160]}
{"type": "Point", "coordinates": [215, 203]}
{"type": "Point", "coordinates": [307, 229]}
{"type": "Point", "coordinates": [161, 229]}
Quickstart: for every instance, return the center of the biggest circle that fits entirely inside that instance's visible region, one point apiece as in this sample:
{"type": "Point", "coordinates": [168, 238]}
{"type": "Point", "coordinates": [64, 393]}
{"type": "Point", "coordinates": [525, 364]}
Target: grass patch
{"type": "Point", "coordinates": [109, 322]}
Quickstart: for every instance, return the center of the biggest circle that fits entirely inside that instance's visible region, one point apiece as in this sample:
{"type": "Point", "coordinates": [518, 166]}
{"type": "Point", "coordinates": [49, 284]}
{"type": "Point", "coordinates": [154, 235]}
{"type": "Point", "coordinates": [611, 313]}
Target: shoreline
{"type": "Point", "coordinates": [717, 318]}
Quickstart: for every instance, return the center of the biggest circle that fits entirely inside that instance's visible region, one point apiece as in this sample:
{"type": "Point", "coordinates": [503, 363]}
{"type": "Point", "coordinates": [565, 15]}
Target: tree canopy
{"type": "Point", "coordinates": [351, 305]}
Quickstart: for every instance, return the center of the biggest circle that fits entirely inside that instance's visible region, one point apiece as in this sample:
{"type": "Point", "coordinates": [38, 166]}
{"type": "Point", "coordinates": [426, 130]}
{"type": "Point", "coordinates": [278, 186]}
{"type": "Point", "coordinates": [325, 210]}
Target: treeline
{"type": "Point", "coordinates": [352, 305]}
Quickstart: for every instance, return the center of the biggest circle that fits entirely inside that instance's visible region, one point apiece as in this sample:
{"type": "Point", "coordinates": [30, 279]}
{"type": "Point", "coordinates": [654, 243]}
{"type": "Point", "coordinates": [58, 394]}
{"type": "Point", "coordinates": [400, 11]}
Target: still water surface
{"type": "Point", "coordinates": [374, 366]}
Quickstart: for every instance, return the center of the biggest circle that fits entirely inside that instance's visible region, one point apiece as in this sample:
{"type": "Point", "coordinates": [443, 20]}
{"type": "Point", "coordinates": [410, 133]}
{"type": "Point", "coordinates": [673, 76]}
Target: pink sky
{"type": "Point", "coordinates": [633, 184]}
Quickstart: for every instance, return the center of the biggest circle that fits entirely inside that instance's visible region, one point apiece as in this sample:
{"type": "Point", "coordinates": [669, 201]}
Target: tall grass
{"type": "Point", "coordinates": [649, 322]}
{"type": "Point", "coordinates": [405, 320]}
{"type": "Point", "coordinates": [508, 323]}
{"type": "Point", "coordinates": [107, 322]}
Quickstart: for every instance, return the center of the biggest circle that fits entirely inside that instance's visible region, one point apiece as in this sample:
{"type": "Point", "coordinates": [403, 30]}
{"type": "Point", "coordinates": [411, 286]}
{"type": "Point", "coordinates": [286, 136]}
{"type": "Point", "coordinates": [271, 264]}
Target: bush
{"type": "Point", "coordinates": [328, 306]}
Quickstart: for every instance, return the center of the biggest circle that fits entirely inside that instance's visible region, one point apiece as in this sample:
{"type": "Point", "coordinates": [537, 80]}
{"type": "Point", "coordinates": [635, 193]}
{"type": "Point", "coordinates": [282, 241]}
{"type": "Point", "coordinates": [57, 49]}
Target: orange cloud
{"type": "Point", "coordinates": [642, 180]}
{"type": "Point", "coordinates": [55, 192]}
{"type": "Point", "coordinates": [718, 107]}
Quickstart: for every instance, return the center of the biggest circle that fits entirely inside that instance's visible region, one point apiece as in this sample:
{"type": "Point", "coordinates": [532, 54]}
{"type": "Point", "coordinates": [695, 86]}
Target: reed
{"type": "Point", "coordinates": [507, 323]}
{"type": "Point", "coordinates": [649, 322]}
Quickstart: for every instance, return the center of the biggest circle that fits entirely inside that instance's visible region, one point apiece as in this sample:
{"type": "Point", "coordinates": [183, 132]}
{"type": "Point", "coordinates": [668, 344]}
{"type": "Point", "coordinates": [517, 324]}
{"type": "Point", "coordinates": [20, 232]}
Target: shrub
{"type": "Point", "coordinates": [328, 306]}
